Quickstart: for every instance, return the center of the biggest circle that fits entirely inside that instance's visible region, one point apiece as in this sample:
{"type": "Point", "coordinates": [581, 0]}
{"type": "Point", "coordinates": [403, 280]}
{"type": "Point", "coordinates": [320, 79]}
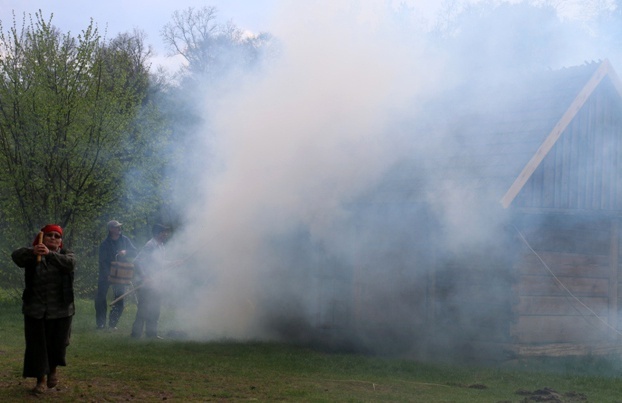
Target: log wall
{"type": "Point", "coordinates": [565, 284]}
{"type": "Point", "coordinates": [582, 169]}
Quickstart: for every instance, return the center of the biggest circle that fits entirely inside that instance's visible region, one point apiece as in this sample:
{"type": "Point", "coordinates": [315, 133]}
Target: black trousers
{"type": "Point", "coordinates": [148, 313]}
{"type": "Point", "coordinates": [101, 304]}
{"type": "Point", "coordinates": [46, 345]}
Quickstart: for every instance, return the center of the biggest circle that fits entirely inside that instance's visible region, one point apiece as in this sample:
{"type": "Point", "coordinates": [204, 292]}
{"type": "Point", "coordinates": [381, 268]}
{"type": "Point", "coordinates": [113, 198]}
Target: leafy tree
{"type": "Point", "coordinates": [209, 48]}
{"type": "Point", "coordinates": [67, 134]}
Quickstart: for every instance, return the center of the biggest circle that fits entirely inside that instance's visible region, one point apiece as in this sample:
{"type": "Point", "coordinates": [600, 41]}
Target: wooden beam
{"type": "Point", "coordinates": [535, 211]}
{"type": "Point", "coordinates": [563, 349]}
{"type": "Point", "coordinates": [614, 262]}
{"type": "Point", "coordinates": [431, 294]}
{"type": "Point", "coordinates": [551, 139]}
{"type": "Point", "coordinates": [613, 76]}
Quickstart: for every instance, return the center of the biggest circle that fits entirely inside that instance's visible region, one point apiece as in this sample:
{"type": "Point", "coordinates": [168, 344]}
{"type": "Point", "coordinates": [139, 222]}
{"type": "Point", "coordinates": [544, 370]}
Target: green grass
{"type": "Point", "coordinates": [111, 367]}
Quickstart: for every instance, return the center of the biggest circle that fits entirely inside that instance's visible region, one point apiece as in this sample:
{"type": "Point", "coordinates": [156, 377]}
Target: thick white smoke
{"type": "Point", "coordinates": [277, 246]}
{"type": "Point", "coordinates": [294, 146]}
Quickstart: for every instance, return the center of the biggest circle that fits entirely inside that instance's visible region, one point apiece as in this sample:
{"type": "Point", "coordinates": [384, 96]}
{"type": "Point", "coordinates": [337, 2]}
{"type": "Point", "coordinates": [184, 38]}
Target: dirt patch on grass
{"type": "Point", "coordinates": [551, 395]}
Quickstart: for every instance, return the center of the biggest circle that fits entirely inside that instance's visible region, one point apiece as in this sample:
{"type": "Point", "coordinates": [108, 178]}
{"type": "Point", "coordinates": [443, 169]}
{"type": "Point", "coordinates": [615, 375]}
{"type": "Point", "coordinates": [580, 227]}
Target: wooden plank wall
{"type": "Point", "coordinates": [580, 184]}
{"type": "Point", "coordinates": [583, 169]}
{"type": "Point", "coordinates": [566, 299]}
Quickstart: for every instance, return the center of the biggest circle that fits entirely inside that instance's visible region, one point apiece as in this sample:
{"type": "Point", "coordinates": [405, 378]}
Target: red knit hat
{"type": "Point", "coordinates": [49, 228]}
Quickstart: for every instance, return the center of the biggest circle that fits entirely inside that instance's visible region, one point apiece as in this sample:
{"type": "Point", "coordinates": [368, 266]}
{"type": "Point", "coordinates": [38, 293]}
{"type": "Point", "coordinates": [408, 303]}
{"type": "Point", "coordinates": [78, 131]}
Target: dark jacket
{"type": "Point", "coordinates": [108, 251]}
{"type": "Point", "coordinates": [49, 284]}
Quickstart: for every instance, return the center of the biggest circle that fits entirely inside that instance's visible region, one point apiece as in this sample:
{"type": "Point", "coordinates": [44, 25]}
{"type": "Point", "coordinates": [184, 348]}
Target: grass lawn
{"type": "Point", "coordinates": [111, 367]}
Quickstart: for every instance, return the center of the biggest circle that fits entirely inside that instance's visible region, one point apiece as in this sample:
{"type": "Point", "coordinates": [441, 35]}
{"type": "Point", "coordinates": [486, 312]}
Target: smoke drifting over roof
{"type": "Point", "coordinates": [294, 221]}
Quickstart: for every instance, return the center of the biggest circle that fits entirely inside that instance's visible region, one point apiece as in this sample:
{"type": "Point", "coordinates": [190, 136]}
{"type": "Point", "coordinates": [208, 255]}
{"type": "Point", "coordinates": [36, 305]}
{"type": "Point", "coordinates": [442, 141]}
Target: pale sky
{"type": "Point", "coordinates": [255, 16]}
{"type": "Point", "coordinates": [147, 15]}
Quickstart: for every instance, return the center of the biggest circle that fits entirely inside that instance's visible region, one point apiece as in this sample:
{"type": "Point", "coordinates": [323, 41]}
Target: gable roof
{"type": "Point", "coordinates": [487, 139]}
{"type": "Point", "coordinates": [493, 141]}
{"type": "Point", "coordinates": [595, 79]}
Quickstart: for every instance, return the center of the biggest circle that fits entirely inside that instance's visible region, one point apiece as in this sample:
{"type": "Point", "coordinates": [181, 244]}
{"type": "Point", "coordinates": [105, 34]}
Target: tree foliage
{"type": "Point", "coordinates": [88, 134]}
{"type": "Point", "coordinates": [210, 48]}
{"type": "Point", "coordinates": [65, 104]}
{"type": "Point", "coordinates": [67, 135]}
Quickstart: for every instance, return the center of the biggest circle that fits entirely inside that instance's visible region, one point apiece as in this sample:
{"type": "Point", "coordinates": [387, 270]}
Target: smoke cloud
{"type": "Point", "coordinates": [293, 232]}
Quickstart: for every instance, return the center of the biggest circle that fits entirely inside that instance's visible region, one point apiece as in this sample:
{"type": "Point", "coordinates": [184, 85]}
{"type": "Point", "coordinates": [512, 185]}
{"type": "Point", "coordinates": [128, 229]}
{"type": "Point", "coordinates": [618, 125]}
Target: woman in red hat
{"type": "Point", "coordinates": [47, 306]}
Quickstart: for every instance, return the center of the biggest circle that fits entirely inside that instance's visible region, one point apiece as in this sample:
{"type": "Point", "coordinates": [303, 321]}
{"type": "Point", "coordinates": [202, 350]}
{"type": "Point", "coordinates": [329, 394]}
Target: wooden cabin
{"type": "Point", "coordinates": [567, 203]}
{"type": "Point", "coordinates": [539, 162]}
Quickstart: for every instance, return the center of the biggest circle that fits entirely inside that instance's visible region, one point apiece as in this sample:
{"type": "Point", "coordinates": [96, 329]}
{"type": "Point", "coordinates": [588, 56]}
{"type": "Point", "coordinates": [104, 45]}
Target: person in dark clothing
{"type": "Point", "coordinates": [116, 247]}
{"type": "Point", "coordinates": [47, 304]}
{"type": "Point", "coordinates": [149, 264]}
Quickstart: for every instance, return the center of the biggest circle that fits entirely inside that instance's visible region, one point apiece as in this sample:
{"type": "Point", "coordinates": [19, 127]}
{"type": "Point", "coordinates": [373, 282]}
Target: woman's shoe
{"type": "Point", "coordinates": [52, 380]}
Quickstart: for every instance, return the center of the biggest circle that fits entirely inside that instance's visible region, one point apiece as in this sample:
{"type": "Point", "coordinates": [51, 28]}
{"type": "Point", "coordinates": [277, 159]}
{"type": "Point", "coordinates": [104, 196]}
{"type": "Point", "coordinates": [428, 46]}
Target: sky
{"type": "Point", "coordinates": [151, 16]}
{"type": "Point", "coordinates": [253, 16]}
{"type": "Point", "coordinates": [147, 15]}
